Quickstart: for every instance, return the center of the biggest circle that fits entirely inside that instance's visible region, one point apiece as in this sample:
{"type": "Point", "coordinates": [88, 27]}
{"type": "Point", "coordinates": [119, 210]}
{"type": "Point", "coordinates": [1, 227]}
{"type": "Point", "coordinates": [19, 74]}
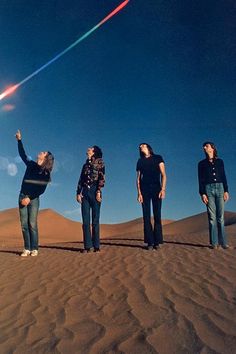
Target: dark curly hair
{"type": "Point", "coordinates": [97, 152]}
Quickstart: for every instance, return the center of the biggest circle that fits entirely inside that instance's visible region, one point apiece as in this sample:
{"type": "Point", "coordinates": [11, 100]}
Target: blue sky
{"type": "Point", "coordinates": [161, 72]}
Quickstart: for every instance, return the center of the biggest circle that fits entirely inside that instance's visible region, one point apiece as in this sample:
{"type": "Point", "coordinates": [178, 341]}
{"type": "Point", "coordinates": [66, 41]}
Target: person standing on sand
{"type": "Point", "coordinates": [213, 189]}
{"type": "Point", "coordinates": [36, 178]}
{"type": "Point", "coordinates": [151, 186]}
{"type": "Point", "coordinates": [92, 179]}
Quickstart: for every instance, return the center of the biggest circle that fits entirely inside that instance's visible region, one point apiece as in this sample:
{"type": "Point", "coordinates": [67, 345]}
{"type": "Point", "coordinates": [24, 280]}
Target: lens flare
{"type": "Point", "coordinates": [12, 89]}
{"type": "Point", "coordinates": [9, 91]}
{"type": "Point", "coordinates": [7, 108]}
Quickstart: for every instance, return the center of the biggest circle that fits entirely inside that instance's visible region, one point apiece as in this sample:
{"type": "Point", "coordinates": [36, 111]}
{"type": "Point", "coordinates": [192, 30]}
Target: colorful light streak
{"type": "Point", "coordinates": [12, 89]}
{"type": "Point", "coordinates": [8, 91]}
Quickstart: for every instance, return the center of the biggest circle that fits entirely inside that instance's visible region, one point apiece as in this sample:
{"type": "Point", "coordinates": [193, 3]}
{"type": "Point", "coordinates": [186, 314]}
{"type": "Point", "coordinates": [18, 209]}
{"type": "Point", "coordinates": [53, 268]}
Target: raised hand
{"type": "Point", "coordinates": [18, 135]}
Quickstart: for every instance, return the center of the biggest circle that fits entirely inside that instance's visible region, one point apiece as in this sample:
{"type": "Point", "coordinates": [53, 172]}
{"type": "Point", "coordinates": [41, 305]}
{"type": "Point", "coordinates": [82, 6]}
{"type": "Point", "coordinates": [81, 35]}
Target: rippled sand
{"type": "Point", "coordinates": [180, 299]}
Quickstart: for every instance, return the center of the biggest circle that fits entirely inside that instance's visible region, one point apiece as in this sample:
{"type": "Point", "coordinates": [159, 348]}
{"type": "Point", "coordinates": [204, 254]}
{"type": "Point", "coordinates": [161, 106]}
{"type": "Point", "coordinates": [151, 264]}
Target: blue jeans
{"type": "Point", "coordinates": [28, 219]}
{"type": "Point", "coordinates": [215, 210]}
{"type": "Point", "coordinates": [90, 204]}
{"type": "Point", "coordinates": [152, 236]}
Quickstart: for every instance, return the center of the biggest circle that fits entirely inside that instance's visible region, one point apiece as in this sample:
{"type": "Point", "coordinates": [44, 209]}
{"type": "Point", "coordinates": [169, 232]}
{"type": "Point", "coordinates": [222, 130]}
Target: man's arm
{"type": "Point", "coordinates": [21, 149]}
{"type": "Point", "coordinates": [201, 184]}
{"type": "Point", "coordinates": [162, 193]}
{"type": "Point", "coordinates": [101, 183]}
{"type": "Point", "coordinates": [140, 197]}
{"type": "Point", "coordinates": [79, 188]}
{"type": "Point", "coordinates": [225, 184]}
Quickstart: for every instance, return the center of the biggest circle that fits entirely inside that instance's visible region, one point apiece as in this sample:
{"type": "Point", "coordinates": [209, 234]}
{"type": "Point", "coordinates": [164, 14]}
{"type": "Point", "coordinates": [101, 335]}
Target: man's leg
{"type": "Point", "coordinates": [220, 206]}
{"type": "Point", "coordinates": [23, 210]}
{"type": "Point", "coordinates": [147, 225]}
{"type": "Point", "coordinates": [85, 208]}
{"type": "Point", "coordinates": [156, 203]}
{"type": "Point", "coordinates": [95, 222]}
{"type": "Point", "coordinates": [211, 211]}
{"type": "Point", "coordinates": [33, 209]}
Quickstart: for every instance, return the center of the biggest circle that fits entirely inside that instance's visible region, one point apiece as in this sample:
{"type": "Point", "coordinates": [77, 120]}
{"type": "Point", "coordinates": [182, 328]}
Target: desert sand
{"type": "Point", "coordinates": [180, 299]}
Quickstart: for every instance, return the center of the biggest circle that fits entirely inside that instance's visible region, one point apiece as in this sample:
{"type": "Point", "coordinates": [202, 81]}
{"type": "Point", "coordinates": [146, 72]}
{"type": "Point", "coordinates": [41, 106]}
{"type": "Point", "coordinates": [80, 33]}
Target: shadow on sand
{"type": "Point", "coordinates": [111, 242]}
{"type": "Point", "coordinates": [198, 245]}
{"type": "Point", "coordinates": [17, 253]}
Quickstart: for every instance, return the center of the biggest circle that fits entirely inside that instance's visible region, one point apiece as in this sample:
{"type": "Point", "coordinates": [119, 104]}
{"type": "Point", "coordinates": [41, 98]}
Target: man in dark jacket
{"type": "Point", "coordinates": [213, 189]}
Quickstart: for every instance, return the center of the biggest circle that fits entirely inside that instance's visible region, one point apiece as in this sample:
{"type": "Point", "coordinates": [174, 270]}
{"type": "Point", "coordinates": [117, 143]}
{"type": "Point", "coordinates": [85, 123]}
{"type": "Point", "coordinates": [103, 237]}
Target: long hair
{"type": "Point", "coordinates": [149, 149]}
{"type": "Point", "coordinates": [97, 152]}
{"type": "Point", "coordinates": [48, 162]}
{"type": "Point", "coordinates": [215, 154]}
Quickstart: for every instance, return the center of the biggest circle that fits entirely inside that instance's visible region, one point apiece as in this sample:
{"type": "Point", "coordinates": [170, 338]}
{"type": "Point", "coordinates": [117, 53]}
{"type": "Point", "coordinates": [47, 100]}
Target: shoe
{"type": "Point", "coordinates": [34, 253]}
{"type": "Point", "coordinates": [225, 247]}
{"type": "Point", "coordinates": [157, 247]}
{"type": "Point", "coordinates": [86, 250]}
{"type": "Point", "coordinates": [25, 253]}
{"type": "Point", "coordinates": [149, 248]}
{"type": "Point", "coordinates": [96, 250]}
{"type": "Point", "coordinates": [214, 247]}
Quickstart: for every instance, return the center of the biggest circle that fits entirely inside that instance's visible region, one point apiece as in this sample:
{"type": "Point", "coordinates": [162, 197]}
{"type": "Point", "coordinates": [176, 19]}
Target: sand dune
{"type": "Point", "coordinates": [177, 300]}
{"type": "Point", "coordinates": [196, 223]}
{"type": "Point", "coordinates": [53, 227]}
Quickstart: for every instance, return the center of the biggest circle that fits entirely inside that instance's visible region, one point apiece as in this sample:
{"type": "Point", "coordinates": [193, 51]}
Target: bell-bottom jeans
{"type": "Point", "coordinates": [152, 235]}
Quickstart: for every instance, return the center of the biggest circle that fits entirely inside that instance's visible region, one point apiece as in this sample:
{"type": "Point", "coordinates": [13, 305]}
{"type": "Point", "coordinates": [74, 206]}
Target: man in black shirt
{"type": "Point", "coordinates": [151, 186]}
{"type": "Point", "coordinates": [213, 189]}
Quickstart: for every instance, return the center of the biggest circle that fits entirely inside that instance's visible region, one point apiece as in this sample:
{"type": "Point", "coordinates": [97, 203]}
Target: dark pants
{"type": "Point", "coordinates": [90, 204]}
{"type": "Point", "coordinates": [28, 219]}
{"type": "Point", "coordinates": [152, 236]}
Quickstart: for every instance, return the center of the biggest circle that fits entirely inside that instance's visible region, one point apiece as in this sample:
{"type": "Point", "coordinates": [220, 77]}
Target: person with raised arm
{"type": "Point", "coordinates": [35, 180]}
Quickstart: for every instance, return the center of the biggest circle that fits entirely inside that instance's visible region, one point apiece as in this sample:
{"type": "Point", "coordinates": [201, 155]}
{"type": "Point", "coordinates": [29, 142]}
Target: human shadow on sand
{"type": "Point", "coordinates": [198, 245]}
{"type": "Point", "coordinates": [122, 239]}
{"type": "Point", "coordinates": [64, 248]}
{"type": "Point", "coordinates": [78, 249]}
{"type": "Point", "coordinates": [111, 242]}
{"type": "Point", "coordinates": [119, 244]}
{"type": "Point", "coordinates": [11, 252]}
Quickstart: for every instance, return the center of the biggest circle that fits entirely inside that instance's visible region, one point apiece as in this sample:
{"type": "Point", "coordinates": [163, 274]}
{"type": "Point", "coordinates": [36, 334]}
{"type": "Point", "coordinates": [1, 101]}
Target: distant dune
{"type": "Point", "coordinates": [54, 227]}
{"type": "Point", "coordinates": [179, 299]}
{"type": "Point", "coordinates": [196, 224]}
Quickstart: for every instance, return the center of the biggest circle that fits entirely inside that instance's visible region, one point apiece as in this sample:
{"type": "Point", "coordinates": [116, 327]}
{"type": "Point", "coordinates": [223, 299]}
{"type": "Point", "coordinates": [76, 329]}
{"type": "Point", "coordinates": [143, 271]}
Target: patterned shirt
{"type": "Point", "coordinates": [93, 173]}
